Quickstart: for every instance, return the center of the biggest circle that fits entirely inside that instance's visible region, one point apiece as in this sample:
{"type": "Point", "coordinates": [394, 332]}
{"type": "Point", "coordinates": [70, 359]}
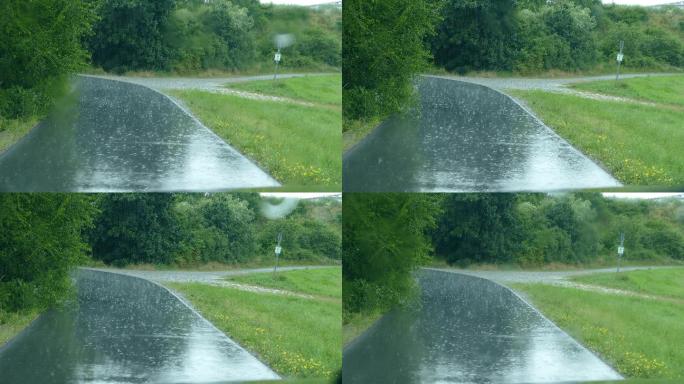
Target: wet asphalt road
{"type": "Point", "coordinates": [123, 329]}
{"type": "Point", "coordinates": [116, 136]}
{"type": "Point", "coordinates": [467, 137]}
{"type": "Point", "coordinates": [468, 330]}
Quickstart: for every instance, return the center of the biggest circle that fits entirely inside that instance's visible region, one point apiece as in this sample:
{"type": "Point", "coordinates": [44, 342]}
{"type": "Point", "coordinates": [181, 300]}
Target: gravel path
{"type": "Point", "coordinates": [546, 277]}
{"type": "Point", "coordinates": [551, 85]}
{"type": "Point", "coordinates": [207, 277]}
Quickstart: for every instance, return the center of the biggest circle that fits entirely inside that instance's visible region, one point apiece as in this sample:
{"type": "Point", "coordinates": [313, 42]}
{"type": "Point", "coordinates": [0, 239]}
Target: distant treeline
{"type": "Point", "coordinates": [43, 236]}
{"type": "Point", "coordinates": [44, 41]}
{"type": "Point", "coordinates": [387, 236]}
{"type": "Point", "coordinates": [386, 43]}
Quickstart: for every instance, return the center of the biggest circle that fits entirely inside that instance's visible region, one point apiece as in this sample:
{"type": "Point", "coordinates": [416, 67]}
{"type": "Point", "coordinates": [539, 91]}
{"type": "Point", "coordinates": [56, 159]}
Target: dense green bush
{"type": "Point", "coordinates": [40, 241]}
{"type": "Point", "coordinates": [40, 45]}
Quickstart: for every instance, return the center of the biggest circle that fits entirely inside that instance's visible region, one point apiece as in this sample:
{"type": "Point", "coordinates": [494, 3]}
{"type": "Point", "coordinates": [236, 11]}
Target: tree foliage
{"type": "Point", "coordinates": [383, 49]}
{"type": "Point", "coordinates": [41, 239]}
{"type": "Point", "coordinates": [384, 240]}
{"type": "Point", "coordinates": [40, 45]}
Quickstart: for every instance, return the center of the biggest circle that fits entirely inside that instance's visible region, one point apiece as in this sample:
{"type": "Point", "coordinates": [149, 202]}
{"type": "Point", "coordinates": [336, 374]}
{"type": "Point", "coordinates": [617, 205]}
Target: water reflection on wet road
{"type": "Point", "coordinates": [467, 137]}
{"type": "Point", "coordinates": [117, 136]}
{"type": "Point", "coordinates": [468, 330]}
{"type": "Point", "coordinates": [123, 329]}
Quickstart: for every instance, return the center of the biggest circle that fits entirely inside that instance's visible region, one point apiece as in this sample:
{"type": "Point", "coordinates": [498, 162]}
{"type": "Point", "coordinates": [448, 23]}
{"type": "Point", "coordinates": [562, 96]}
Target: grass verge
{"type": "Point", "coordinates": [11, 323]}
{"type": "Point", "coordinates": [659, 89]}
{"type": "Point", "coordinates": [356, 130]}
{"type": "Point", "coordinates": [667, 282]}
{"type": "Point", "coordinates": [298, 145]}
{"type": "Point", "coordinates": [318, 282]}
{"type": "Point", "coordinates": [11, 130]}
{"type": "Point", "coordinates": [638, 144]}
{"type": "Point", "coordinates": [320, 89]}
{"type": "Point", "coordinates": [297, 337]}
{"type": "Point", "coordinates": [357, 323]}
{"type": "Point", "coordinates": [641, 338]}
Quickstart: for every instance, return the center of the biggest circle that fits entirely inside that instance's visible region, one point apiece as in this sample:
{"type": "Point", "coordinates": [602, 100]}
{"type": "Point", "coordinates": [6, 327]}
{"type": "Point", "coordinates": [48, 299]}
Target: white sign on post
{"type": "Point", "coordinates": [278, 249]}
{"type": "Point", "coordinates": [621, 250]}
{"type": "Point", "coordinates": [620, 56]}
{"type": "Point", "coordinates": [277, 57]}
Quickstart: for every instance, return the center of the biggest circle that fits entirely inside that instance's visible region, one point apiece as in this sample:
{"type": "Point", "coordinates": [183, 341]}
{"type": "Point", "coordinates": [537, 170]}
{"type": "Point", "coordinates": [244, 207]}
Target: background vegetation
{"type": "Point", "coordinates": [387, 236]}
{"type": "Point", "coordinates": [532, 36]}
{"type": "Point", "coordinates": [192, 35]}
{"type": "Point", "coordinates": [43, 236]}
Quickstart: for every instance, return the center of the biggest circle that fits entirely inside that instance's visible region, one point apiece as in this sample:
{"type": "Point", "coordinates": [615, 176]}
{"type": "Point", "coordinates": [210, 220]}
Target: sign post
{"type": "Point", "coordinates": [620, 57]}
{"type": "Point", "coordinates": [621, 250]}
{"type": "Point", "coordinates": [278, 250]}
{"type": "Point", "coordinates": [276, 58]}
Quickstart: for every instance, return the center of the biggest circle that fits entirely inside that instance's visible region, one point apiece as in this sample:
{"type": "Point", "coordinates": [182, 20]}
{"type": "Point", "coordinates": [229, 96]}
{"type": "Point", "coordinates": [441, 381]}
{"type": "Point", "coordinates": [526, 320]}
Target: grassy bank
{"type": "Point", "coordinates": [658, 282]}
{"type": "Point", "coordinates": [11, 130]}
{"type": "Point", "coordinates": [640, 337]}
{"type": "Point", "coordinates": [357, 323]}
{"type": "Point", "coordinates": [297, 337]}
{"type": "Point", "coordinates": [297, 144]}
{"type": "Point", "coordinates": [356, 130]}
{"type": "Point", "coordinates": [325, 282]}
{"type": "Point", "coordinates": [661, 90]}
{"type": "Point", "coordinates": [638, 144]}
{"type": "Point", "coordinates": [12, 323]}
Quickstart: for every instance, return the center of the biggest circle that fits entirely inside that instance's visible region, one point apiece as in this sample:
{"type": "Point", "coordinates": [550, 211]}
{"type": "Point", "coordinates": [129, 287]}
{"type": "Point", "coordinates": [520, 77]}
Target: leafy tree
{"type": "Point", "coordinates": [135, 228]}
{"type": "Point", "coordinates": [475, 34]}
{"type": "Point", "coordinates": [129, 35]}
{"type": "Point", "coordinates": [40, 242]}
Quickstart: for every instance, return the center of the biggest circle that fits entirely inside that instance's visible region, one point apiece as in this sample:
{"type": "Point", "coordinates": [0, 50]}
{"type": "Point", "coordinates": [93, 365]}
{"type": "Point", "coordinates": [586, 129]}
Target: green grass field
{"type": "Point", "coordinates": [297, 337]}
{"type": "Point", "coordinates": [13, 323]}
{"type": "Point", "coordinates": [658, 282]}
{"type": "Point", "coordinates": [638, 144]}
{"type": "Point", "coordinates": [323, 89]}
{"type": "Point", "coordinates": [299, 145]}
{"type": "Point", "coordinates": [11, 130]}
{"type": "Point", "coordinates": [318, 282]}
{"type": "Point", "coordinates": [660, 89]}
{"type": "Point", "coordinates": [641, 338]}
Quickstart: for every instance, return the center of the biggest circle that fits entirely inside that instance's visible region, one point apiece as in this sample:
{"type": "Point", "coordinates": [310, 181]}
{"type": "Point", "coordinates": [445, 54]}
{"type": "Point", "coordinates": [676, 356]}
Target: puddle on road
{"type": "Point", "coordinates": [118, 136]}
{"type": "Point", "coordinates": [466, 137]}
{"type": "Point", "coordinates": [468, 330]}
{"type": "Point", "coordinates": [123, 329]}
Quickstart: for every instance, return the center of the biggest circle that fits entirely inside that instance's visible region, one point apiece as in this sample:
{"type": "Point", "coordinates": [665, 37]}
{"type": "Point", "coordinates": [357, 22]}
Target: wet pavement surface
{"type": "Point", "coordinates": [468, 330]}
{"type": "Point", "coordinates": [123, 329]}
{"type": "Point", "coordinates": [115, 136]}
{"type": "Point", "coordinates": [467, 137]}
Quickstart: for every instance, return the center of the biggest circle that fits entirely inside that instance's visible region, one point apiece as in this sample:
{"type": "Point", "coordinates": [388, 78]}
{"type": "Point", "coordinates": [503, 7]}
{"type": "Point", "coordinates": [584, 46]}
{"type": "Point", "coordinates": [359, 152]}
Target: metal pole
{"type": "Point", "coordinates": [277, 252]}
{"type": "Point", "coordinates": [619, 61]}
{"type": "Point", "coordinates": [620, 250]}
{"type": "Point", "coordinates": [275, 74]}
